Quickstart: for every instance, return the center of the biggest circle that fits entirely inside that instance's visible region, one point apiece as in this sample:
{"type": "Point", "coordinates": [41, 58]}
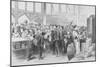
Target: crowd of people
{"type": "Point", "coordinates": [55, 38]}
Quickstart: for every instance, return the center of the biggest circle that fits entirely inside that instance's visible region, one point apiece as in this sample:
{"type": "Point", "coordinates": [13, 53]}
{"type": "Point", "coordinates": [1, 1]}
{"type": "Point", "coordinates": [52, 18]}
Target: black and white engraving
{"type": "Point", "coordinates": [43, 33]}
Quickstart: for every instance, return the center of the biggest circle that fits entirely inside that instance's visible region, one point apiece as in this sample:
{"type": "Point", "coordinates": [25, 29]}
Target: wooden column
{"type": "Point", "coordinates": [43, 11]}
{"type": "Point", "coordinates": [59, 8]}
{"type": "Point", "coordinates": [16, 12]}
{"type": "Point", "coordinates": [51, 9]}
{"type": "Point", "coordinates": [25, 7]}
{"type": "Point", "coordinates": [33, 7]}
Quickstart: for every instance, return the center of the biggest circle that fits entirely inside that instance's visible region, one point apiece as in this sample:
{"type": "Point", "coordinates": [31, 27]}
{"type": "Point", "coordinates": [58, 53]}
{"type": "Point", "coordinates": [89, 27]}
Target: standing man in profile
{"type": "Point", "coordinates": [41, 44]}
{"type": "Point", "coordinates": [52, 41]}
{"type": "Point", "coordinates": [56, 40]}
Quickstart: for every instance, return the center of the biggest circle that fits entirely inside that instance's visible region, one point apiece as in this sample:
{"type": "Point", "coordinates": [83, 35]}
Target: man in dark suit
{"type": "Point", "coordinates": [52, 41]}
{"type": "Point", "coordinates": [56, 41]}
{"type": "Point", "coordinates": [40, 44]}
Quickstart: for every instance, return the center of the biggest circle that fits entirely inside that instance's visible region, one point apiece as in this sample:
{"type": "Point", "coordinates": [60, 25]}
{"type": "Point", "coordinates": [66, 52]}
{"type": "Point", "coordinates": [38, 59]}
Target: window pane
{"type": "Point", "coordinates": [21, 5]}
{"type": "Point", "coordinates": [55, 9]}
{"type": "Point", "coordinates": [63, 8]}
{"type": "Point", "coordinates": [38, 7]}
{"type": "Point", "coordinates": [48, 9]}
{"type": "Point", "coordinates": [13, 4]}
{"type": "Point", "coordinates": [70, 9]}
{"type": "Point", "coordinates": [30, 6]}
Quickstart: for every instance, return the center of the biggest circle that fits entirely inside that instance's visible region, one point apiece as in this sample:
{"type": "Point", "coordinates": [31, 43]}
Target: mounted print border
{"type": "Point", "coordinates": [44, 33]}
